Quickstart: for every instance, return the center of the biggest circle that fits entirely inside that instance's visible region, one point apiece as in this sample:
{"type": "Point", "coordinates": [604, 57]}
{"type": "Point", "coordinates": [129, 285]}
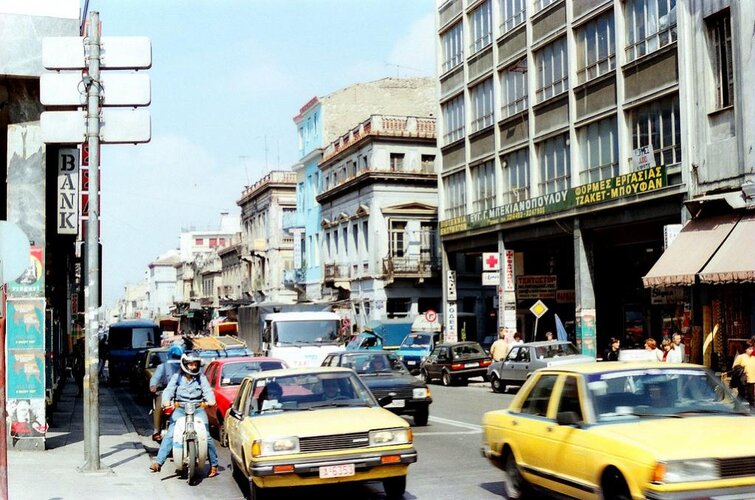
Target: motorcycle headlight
{"type": "Point", "coordinates": [686, 470]}
{"type": "Point", "coordinates": [419, 393]}
{"type": "Point", "coordinates": [388, 437]}
{"type": "Point", "coordinates": [275, 446]}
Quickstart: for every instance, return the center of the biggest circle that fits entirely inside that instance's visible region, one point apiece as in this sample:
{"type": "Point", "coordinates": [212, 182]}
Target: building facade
{"type": "Point", "coordinates": [378, 242]}
{"type": "Point", "coordinates": [161, 284]}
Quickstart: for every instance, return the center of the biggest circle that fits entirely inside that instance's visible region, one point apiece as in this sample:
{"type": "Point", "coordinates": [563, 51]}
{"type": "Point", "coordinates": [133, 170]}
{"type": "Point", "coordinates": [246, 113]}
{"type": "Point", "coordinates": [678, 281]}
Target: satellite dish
{"type": "Point", "coordinates": [14, 252]}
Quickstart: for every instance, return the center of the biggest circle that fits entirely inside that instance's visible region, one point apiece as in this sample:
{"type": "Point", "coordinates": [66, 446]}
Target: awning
{"type": "Point", "coordinates": [697, 242]}
{"type": "Point", "coordinates": [734, 262]}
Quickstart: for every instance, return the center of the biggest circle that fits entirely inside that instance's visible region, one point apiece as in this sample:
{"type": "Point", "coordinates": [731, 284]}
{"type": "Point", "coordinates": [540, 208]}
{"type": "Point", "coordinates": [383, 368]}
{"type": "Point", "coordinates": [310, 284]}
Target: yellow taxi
{"type": "Point", "coordinates": [310, 426]}
{"type": "Point", "coordinates": [624, 430]}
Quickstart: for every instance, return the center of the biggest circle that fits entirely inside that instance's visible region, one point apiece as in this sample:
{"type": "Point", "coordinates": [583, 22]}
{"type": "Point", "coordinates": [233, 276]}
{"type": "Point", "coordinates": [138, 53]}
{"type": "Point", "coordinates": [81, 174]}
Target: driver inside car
{"type": "Point", "coordinates": [330, 389]}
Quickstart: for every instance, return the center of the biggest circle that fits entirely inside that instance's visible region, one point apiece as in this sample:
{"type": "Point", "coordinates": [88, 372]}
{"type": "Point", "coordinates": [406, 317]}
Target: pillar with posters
{"type": "Point", "coordinates": [506, 292]}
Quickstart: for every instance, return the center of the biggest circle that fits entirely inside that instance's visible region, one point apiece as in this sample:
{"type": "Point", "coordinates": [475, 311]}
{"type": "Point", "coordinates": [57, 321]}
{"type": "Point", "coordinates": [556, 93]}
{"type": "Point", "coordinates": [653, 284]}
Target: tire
{"type": "Point", "coordinates": [497, 384]}
{"type": "Point", "coordinates": [421, 416]}
{"type": "Point", "coordinates": [425, 376]}
{"type": "Point", "coordinates": [222, 434]}
{"type": "Point", "coordinates": [613, 486]}
{"type": "Point", "coordinates": [516, 486]}
{"type": "Point", "coordinates": [191, 467]}
{"type": "Point", "coordinates": [395, 487]}
{"type": "Point", "coordinates": [446, 378]}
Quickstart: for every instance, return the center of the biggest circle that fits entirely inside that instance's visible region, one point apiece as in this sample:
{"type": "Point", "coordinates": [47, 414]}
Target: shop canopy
{"type": "Point", "coordinates": [734, 262]}
{"type": "Point", "coordinates": [690, 251]}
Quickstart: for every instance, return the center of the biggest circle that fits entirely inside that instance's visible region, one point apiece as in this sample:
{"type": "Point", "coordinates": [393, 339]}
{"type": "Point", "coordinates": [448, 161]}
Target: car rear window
{"type": "Point", "coordinates": [234, 373]}
{"type": "Point", "coordinates": [467, 351]}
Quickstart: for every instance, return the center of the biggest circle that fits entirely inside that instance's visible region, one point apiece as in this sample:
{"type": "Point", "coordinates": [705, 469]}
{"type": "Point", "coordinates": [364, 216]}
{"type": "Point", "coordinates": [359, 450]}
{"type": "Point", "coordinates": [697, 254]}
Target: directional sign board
{"type": "Point", "coordinates": [63, 127]}
{"type": "Point", "coordinates": [117, 89]}
{"type": "Point", "coordinates": [122, 126]}
{"type": "Point", "coordinates": [117, 52]}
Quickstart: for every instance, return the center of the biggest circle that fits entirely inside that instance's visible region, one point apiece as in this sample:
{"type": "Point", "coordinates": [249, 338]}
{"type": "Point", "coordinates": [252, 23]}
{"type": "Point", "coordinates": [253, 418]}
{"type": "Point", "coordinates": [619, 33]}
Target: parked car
{"type": "Point", "coordinates": [310, 426]}
{"type": "Point", "coordinates": [523, 359]}
{"type": "Point", "coordinates": [455, 362]}
{"type": "Point", "coordinates": [145, 367]}
{"type": "Point", "coordinates": [225, 376]}
{"type": "Point", "coordinates": [415, 348]}
{"type": "Point", "coordinates": [385, 375]}
{"type": "Point", "coordinates": [127, 340]}
{"type": "Point", "coordinates": [624, 430]}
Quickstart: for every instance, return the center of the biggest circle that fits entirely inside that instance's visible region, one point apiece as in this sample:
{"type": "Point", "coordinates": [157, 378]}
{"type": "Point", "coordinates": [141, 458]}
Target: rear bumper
{"type": "Point", "coordinates": [470, 372]}
{"type": "Point", "coordinates": [412, 407]}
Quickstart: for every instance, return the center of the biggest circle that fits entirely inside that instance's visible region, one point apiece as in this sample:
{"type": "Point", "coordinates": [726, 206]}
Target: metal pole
{"type": "Point", "coordinates": [3, 426]}
{"type": "Point", "coordinates": [91, 291]}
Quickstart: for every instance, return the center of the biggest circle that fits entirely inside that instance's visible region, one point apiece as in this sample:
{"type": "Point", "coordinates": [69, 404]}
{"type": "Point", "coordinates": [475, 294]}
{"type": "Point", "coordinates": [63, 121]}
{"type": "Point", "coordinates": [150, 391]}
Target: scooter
{"type": "Point", "coordinates": [189, 443]}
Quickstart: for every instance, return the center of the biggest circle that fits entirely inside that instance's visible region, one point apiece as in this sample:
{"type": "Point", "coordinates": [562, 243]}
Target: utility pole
{"type": "Point", "coordinates": [91, 291]}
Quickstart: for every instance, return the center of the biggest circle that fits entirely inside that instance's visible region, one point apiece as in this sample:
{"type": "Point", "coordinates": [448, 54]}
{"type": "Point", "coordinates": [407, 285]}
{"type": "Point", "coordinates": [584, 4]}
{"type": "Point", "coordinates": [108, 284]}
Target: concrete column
{"type": "Point", "coordinates": [584, 292]}
{"type": "Point", "coordinates": [506, 292]}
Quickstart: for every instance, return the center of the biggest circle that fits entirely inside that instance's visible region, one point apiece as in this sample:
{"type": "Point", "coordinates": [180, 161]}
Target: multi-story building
{"type": "Point", "coordinates": [319, 122]}
{"type": "Point", "coordinates": [196, 242]}
{"type": "Point", "coordinates": [266, 247]}
{"type": "Point", "coordinates": [568, 140]}
{"type": "Point", "coordinates": [378, 199]}
{"type": "Point", "coordinates": [161, 284]}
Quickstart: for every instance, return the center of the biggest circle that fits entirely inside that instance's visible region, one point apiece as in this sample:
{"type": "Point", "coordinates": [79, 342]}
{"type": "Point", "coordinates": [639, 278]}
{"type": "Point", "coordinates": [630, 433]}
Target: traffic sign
{"type": "Point", "coordinates": [431, 316]}
{"type": "Point", "coordinates": [64, 127]}
{"type": "Point", "coordinates": [491, 261]}
{"type": "Point", "coordinates": [117, 52]}
{"type": "Point", "coordinates": [123, 126]}
{"type": "Point", "coordinates": [118, 89]}
{"type": "Point", "coordinates": [538, 309]}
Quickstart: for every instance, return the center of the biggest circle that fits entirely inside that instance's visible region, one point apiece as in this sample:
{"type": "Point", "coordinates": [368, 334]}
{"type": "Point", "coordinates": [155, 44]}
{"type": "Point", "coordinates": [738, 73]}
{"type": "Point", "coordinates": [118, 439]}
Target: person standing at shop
{"type": "Point", "coordinates": [680, 354]}
{"type": "Point", "coordinates": [747, 361]}
{"type": "Point", "coordinates": [613, 350]}
{"type": "Point", "coordinates": [500, 347]}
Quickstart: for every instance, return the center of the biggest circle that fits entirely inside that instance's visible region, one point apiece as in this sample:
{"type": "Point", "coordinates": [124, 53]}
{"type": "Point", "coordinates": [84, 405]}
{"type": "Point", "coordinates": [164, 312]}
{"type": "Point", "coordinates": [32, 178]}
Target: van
{"type": "Point", "coordinates": [383, 334]}
{"type": "Point", "coordinates": [126, 340]}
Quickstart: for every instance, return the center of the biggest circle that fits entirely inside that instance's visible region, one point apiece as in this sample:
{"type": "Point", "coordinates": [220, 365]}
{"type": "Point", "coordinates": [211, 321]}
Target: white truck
{"type": "Point", "coordinates": [301, 338]}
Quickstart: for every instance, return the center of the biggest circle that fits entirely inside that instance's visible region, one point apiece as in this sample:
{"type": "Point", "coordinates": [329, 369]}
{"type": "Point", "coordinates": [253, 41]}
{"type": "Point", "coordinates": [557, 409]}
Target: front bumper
{"type": "Point", "coordinates": [730, 493]}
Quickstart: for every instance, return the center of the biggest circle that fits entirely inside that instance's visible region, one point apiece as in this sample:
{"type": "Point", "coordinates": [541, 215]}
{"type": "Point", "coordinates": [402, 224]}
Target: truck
{"type": "Point", "coordinates": [298, 337]}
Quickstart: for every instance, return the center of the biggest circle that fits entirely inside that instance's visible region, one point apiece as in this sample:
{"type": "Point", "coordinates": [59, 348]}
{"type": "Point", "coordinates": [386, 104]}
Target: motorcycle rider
{"type": "Point", "coordinates": [188, 386]}
{"type": "Point", "coordinates": [159, 381]}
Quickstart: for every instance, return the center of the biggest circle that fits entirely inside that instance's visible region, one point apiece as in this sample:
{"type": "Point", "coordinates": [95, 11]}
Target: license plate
{"type": "Point", "coordinates": [411, 362]}
{"type": "Point", "coordinates": [471, 365]}
{"type": "Point", "coordinates": [396, 403]}
{"type": "Point", "coordinates": [337, 471]}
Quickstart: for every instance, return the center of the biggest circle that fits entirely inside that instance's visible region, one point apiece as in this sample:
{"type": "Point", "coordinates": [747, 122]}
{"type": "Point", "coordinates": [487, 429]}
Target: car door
{"type": "Point", "coordinates": [444, 359]}
{"type": "Point", "coordinates": [233, 423]}
{"type": "Point", "coordinates": [432, 361]}
{"type": "Point", "coordinates": [517, 364]}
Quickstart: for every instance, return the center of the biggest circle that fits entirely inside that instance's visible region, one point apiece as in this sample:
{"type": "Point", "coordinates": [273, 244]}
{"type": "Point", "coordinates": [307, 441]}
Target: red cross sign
{"type": "Point", "coordinates": [491, 261]}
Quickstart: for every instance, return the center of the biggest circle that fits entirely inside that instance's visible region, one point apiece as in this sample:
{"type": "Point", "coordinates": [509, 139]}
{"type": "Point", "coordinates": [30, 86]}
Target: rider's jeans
{"type": "Point", "coordinates": [167, 444]}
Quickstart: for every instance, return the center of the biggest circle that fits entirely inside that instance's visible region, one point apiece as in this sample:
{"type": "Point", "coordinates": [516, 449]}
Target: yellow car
{"type": "Point", "coordinates": [310, 426]}
{"type": "Point", "coordinates": [617, 430]}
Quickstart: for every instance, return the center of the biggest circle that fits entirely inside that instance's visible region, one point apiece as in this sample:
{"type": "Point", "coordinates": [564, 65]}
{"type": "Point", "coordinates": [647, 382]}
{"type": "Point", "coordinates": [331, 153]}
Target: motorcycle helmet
{"type": "Point", "coordinates": [190, 357]}
{"type": "Point", "coordinates": [175, 352]}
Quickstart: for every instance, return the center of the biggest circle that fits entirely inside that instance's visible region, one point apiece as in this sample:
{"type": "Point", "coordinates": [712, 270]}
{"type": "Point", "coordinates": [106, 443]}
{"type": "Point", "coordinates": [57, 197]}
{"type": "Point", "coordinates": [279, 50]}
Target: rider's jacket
{"type": "Point", "coordinates": [164, 372]}
{"type": "Point", "coordinates": [189, 390]}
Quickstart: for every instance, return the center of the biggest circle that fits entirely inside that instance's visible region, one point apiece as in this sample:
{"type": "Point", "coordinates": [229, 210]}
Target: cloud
{"type": "Point", "coordinates": [415, 51]}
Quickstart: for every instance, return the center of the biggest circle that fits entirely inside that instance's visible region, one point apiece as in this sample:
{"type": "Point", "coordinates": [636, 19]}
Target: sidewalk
{"type": "Point", "coordinates": [53, 474]}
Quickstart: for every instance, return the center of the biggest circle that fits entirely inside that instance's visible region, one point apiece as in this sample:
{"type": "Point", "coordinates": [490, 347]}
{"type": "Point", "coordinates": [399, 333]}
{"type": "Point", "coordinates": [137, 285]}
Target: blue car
{"type": "Point", "coordinates": [415, 348]}
{"type": "Point", "coordinates": [386, 334]}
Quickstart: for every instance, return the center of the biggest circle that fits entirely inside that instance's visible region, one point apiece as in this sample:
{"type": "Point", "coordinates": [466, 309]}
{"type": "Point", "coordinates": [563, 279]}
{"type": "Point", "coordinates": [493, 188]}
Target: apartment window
{"type": "Point", "coordinates": [453, 51]}
{"type": "Point", "coordinates": [453, 119]}
{"type": "Point", "coordinates": [596, 48]}
{"type": "Point", "coordinates": [428, 164]}
{"type": "Point", "coordinates": [600, 151]}
{"type": "Point", "coordinates": [366, 236]}
{"type": "Point", "coordinates": [516, 175]}
{"type": "Point", "coordinates": [345, 239]}
{"type": "Point", "coordinates": [482, 27]}
{"type": "Point", "coordinates": [482, 101]}
{"type": "Point", "coordinates": [483, 177]}
{"type": "Point", "coordinates": [427, 242]}
{"type": "Point", "coordinates": [199, 241]}
{"type": "Point", "coordinates": [514, 88]}
{"type": "Point", "coordinates": [327, 253]}
{"type": "Point", "coordinates": [657, 125]}
{"type": "Point", "coordinates": [553, 155]}
{"type": "Point", "coordinates": [541, 4]}
{"type": "Point", "coordinates": [213, 242]}
{"type": "Point", "coordinates": [513, 13]}
{"type": "Point", "coordinates": [455, 189]}
{"type": "Point", "coordinates": [552, 74]}
{"type": "Point", "coordinates": [398, 238]}
{"type": "Point", "coordinates": [397, 161]}
{"type": "Point", "coordinates": [355, 237]}
{"type": "Point", "coordinates": [650, 25]}
{"type": "Point", "coordinates": [337, 252]}
{"type": "Point", "coordinates": [719, 37]}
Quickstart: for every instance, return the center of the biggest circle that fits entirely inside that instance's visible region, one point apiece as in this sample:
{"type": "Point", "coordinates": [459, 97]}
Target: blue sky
{"type": "Point", "coordinates": [227, 78]}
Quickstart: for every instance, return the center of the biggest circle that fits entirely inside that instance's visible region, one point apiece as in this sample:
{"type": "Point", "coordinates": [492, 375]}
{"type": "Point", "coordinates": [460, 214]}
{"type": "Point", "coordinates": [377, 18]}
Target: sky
{"type": "Point", "coordinates": [227, 78]}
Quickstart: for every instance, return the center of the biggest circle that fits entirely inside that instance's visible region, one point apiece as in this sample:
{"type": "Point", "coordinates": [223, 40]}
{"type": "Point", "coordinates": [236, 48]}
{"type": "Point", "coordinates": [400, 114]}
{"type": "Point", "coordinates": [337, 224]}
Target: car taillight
{"type": "Point", "coordinates": [457, 366]}
{"type": "Point", "coordinates": [485, 362]}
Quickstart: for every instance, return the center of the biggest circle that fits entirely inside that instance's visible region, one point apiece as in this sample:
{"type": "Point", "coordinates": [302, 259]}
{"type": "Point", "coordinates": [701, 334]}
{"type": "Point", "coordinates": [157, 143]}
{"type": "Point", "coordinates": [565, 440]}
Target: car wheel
{"type": "Point", "coordinates": [394, 487]}
{"type": "Point", "coordinates": [421, 416]}
{"type": "Point", "coordinates": [222, 434]}
{"type": "Point", "coordinates": [496, 384]}
{"type": "Point", "coordinates": [516, 485]}
{"type": "Point", "coordinates": [446, 378]}
{"type": "Point", "coordinates": [614, 486]}
{"type": "Point", "coordinates": [425, 376]}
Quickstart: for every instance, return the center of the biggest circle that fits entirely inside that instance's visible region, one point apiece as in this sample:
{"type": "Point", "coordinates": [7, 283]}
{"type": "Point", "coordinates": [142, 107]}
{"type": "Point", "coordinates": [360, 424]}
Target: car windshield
{"type": "Point", "coordinates": [555, 350]}
{"type": "Point", "coordinates": [373, 363]}
{"type": "Point", "coordinates": [307, 331]}
{"type": "Point", "coordinates": [309, 391]}
{"type": "Point", "coordinates": [416, 341]}
{"type": "Point", "coordinates": [234, 373]}
{"type": "Point", "coordinates": [659, 392]}
{"type": "Point", "coordinates": [467, 351]}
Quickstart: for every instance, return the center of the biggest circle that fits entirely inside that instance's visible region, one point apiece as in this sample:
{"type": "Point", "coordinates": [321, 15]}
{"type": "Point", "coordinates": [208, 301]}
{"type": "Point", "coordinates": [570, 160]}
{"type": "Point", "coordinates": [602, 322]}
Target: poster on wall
{"type": "Point", "coordinates": [27, 418]}
{"type": "Point", "coordinates": [31, 281]}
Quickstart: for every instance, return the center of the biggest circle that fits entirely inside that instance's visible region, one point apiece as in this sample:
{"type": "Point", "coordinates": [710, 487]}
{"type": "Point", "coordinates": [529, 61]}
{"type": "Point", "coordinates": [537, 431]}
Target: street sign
{"type": "Point", "coordinates": [117, 52]}
{"type": "Point", "coordinates": [491, 278]}
{"type": "Point", "coordinates": [450, 285]}
{"type": "Point", "coordinates": [63, 127]}
{"type": "Point", "coordinates": [118, 89]}
{"type": "Point", "coordinates": [491, 261]}
{"type": "Point", "coordinates": [538, 309]}
{"type": "Point", "coordinates": [68, 191]}
{"type": "Point", "coordinates": [431, 316]}
{"type": "Point", "coordinates": [123, 126]}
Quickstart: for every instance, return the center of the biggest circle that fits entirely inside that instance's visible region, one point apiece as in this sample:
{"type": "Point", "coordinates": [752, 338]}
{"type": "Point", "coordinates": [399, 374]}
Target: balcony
{"type": "Point", "coordinates": [336, 272]}
{"type": "Point", "coordinates": [414, 266]}
{"type": "Point", "coordinates": [292, 220]}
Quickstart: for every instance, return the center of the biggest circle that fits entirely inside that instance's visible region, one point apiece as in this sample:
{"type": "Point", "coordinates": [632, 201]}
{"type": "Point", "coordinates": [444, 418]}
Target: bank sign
{"type": "Point", "coordinates": [614, 188]}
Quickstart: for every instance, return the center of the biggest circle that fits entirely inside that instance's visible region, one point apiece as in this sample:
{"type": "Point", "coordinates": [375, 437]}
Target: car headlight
{"type": "Point", "coordinates": [275, 446]}
{"type": "Point", "coordinates": [419, 392]}
{"type": "Point", "coordinates": [686, 470]}
{"type": "Point", "coordinates": [388, 437]}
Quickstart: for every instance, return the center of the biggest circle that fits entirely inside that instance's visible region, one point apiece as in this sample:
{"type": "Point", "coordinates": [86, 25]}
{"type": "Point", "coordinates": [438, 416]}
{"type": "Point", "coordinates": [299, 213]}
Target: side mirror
{"type": "Point", "coordinates": [567, 418]}
{"type": "Point", "coordinates": [235, 414]}
{"type": "Point", "coordinates": [385, 400]}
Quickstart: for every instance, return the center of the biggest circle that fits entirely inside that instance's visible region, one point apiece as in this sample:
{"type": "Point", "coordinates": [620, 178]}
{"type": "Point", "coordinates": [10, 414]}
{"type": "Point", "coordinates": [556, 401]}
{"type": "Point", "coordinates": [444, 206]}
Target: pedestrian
{"type": "Point", "coordinates": [500, 348]}
{"type": "Point", "coordinates": [676, 352]}
{"type": "Point", "coordinates": [680, 348]}
{"type": "Point", "coordinates": [103, 350]}
{"type": "Point", "coordinates": [651, 346]}
{"type": "Point", "coordinates": [747, 361]}
{"type": "Point", "coordinates": [549, 336]}
{"type": "Point", "coordinates": [612, 351]}
{"type": "Point", "coordinates": [665, 354]}
{"type": "Point", "coordinates": [517, 339]}
{"type": "Point", "coordinates": [77, 368]}
{"type": "Point", "coordinates": [190, 386]}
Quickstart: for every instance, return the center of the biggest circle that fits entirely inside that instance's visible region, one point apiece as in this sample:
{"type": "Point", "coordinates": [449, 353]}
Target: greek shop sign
{"type": "Point", "coordinates": [622, 186]}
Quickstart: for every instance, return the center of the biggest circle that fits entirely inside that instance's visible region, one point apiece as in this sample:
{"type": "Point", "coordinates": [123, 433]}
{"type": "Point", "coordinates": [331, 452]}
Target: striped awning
{"type": "Point", "coordinates": [734, 262]}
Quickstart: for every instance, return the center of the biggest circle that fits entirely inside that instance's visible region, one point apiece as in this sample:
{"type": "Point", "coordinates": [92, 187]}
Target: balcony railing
{"type": "Point", "coordinates": [334, 272]}
{"type": "Point", "coordinates": [414, 266]}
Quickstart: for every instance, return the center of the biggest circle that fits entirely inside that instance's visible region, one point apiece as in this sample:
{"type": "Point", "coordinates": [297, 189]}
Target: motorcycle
{"type": "Point", "coordinates": [189, 442]}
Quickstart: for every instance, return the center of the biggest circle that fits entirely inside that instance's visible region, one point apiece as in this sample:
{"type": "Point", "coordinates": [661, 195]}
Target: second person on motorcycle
{"type": "Point", "coordinates": [159, 381]}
